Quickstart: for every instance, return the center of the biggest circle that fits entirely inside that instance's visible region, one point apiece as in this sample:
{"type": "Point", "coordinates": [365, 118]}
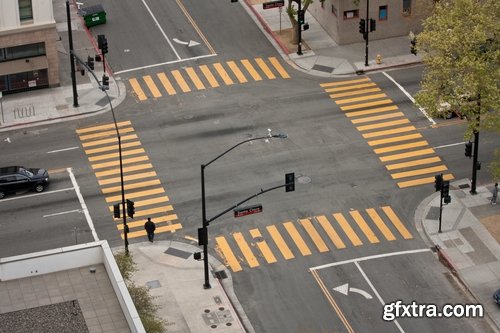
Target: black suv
{"type": "Point", "coordinates": [17, 178]}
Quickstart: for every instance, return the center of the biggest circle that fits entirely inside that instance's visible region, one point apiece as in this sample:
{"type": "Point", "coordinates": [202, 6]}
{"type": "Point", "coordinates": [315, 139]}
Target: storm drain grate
{"type": "Point", "coordinates": [221, 275]}
{"type": "Point", "coordinates": [322, 68]}
{"type": "Point", "coordinates": [462, 186]}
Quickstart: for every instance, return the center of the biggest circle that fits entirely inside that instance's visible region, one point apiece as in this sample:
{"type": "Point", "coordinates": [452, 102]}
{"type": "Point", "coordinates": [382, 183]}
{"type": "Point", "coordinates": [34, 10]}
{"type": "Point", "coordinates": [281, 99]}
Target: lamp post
{"type": "Point", "coordinates": [203, 238]}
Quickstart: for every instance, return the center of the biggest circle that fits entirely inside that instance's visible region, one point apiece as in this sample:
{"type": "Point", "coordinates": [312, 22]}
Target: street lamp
{"type": "Point", "coordinates": [203, 232]}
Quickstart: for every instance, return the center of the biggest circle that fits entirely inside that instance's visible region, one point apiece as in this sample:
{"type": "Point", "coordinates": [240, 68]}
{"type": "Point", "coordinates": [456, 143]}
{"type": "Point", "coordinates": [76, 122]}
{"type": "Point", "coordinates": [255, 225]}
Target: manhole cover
{"type": "Point", "coordinates": [304, 180]}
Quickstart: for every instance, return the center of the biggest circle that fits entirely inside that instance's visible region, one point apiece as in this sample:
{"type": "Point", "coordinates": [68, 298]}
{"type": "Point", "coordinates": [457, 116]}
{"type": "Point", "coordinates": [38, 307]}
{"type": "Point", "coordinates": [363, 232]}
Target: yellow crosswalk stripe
{"type": "Point", "coordinates": [117, 162]}
{"type": "Point", "coordinates": [263, 66]}
{"type": "Point", "coordinates": [294, 233]}
{"type": "Point", "coordinates": [384, 124]}
{"type": "Point", "coordinates": [279, 68]}
{"type": "Point", "coordinates": [125, 170]}
{"type": "Point", "coordinates": [334, 237]}
{"type": "Point", "coordinates": [418, 172]}
{"type": "Point", "coordinates": [223, 74]}
{"type": "Point", "coordinates": [422, 161]}
{"type": "Point", "coordinates": [406, 155]}
{"type": "Point", "coordinates": [360, 221]}
{"type": "Point", "coordinates": [157, 220]}
{"type": "Point", "coordinates": [263, 247]}
{"type": "Point", "coordinates": [115, 155]}
{"type": "Point", "coordinates": [353, 87]}
{"type": "Point", "coordinates": [422, 181]}
{"type": "Point", "coordinates": [355, 92]}
{"type": "Point", "coordinates": [147, 202]}
{"type": "Point", "coordinates": [110, 140]}
{"type": "Point", "coordinates": [280, 242]}
{"type": "Point", "coordinates": [131, 186]}
{"type": "Point", "coordinates": [371, 111]}
{"type": "Point", "coordinates": [401, 147]}
{"type": "Point", "coordinates": [166, 83]}
{"type": "Point", "coordinates": [313, 233]}
{"type": "Point", "coordinates": [380, 224]}
{"type": "Point", "coordinates": [133, 195]}
{"type": "Point", "coordinates": [396, 222]}
{"type": "Point", "coordinates": [341, 83]}
{"type": "Point", "coordinates": [103, 127]}
{"type": "Point", "coordinates": [228, 254]}
{"type": "Point", "coordinates": [362, 98]}
{"type": "Point", "coordinates": [209, 76]}
{"type": "Point", "coordinates": [126, 178]}
{"type": "Point", "coordinates": [245, 249]}
{"type": "Point", "coordinates": [347, 229]}
{"type": "Point", "coordinates": [376, 118]}
{"type": "Point", "coordinates": [236, 71]}
{"type": "Point", "coordinates": [194, 77]}
{"type": "Point", "coordinates": [137, 89]}
{"type": "Point", "coordinates": [251, 70]}
{"type": "Point", "coordinates": [394, 139]}
{"type": "Point", "coordinates": [152, 86]}
{"type": "Point", "coordinates": [365, 105]}
{"type": "Point", "coordinates": [142, 233]}
{"type": "Point", "coordinates": [105, 133]}
{"type": "Point", "coordinates": [389, 132]}
{"type": "Point", "coordinates": [152, 211]}
{"type": "Point", "coordinates": [112, 147]}
{"type": "Point", "coordinates": [180, 81]}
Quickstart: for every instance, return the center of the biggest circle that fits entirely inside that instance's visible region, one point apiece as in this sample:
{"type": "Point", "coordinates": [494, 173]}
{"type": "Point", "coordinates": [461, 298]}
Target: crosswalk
{"type": "Point", "coordinates": [318, 234]}
{"type": "Point", "coordinates": [206, 76]}
{"type": "Point", "coordinates": [402, 149]}
{"type": "Point", "coordinates": [141, 182]}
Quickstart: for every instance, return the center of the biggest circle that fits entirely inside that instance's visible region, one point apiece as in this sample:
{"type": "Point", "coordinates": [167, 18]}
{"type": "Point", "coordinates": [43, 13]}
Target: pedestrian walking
{"type": "Point", "coordinates": [495, 195]}
{"type": "Point", "coordinates": [150, 229]}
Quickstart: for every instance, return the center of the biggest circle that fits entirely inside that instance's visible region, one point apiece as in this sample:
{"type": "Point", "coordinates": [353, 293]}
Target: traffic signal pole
{"type": "Point", "coordinates": [367, 29]}
{"type": "Point", "coordinates": [299, 49]}
{"type": "Point", "coordinates": [71, 57]}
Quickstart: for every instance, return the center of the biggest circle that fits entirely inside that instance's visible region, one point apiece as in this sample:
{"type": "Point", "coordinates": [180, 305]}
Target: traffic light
{"type": "Point", "coordinates": [362, 26]}
{"type": "Point", "coordinates": [413, 48]}
{"type": "Point", "coordinates": [234, 0]}
{"type": "Point", "coordinates": [105, 81]}
{"type": "Point", "coordinates": [306, 26]}
{"type": "Point", "coordinates": [468, 149]}
{"type": "Point", "coordinates": [438, 182]}
{"type": "Point", "coordinates": [290, 182]}
{"type": "Point", "coordinates": [130, 208]}
{"type": "Point", "coordinates": [300, 16]}
{"type": "Point", "coordinates": [90, 63]}
{"type": "Point", "coordinates": [116, 209]}
{"type": "Point", "coordinates": [102, 43]}
{"type": "Point", "coordinates": [373, 25]}
{"type": "Point", "coordinates": [445, 188]}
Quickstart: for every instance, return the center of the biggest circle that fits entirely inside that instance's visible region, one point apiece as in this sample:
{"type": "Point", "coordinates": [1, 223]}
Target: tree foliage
{"type": "Point", "coordinates": [292, 11]}
{"type": "Point", "coordinates": [460, 49]}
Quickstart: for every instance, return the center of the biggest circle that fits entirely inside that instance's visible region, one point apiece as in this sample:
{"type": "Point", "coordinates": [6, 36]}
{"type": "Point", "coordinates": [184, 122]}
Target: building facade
{"type": "Point", "coordinates": [340, 18]}
{"type": "Point", "coordinates": [28, 53]}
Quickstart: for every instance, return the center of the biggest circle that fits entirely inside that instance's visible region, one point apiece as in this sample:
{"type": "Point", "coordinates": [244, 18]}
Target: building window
{"type": "Point", "coordinates": [406, 7]}
{"type": "Point", "coordinates": [25, 10]}
{"type": "Point", "coordinates": [334, 10]}
{"type": "Point", "coordinates": [349, 14]}
{"type": "Point", "coordinates": [382, 13]}
{"type": "Point", "coordinates": [22, 51]}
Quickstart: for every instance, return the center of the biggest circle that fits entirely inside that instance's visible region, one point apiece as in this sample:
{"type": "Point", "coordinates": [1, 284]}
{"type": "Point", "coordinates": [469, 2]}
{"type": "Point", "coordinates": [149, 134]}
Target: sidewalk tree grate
{"type": "Point", "coordinates": [322, 68]}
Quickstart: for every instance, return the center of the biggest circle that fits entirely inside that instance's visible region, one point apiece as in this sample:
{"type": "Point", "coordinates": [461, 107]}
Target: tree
{"type": "Point", "coordinates": [292, 15]}
{"type": "Point", "coordinates": [459, 45]}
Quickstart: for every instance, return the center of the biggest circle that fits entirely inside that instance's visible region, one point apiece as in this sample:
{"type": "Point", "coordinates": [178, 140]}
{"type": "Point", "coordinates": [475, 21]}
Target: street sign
{"type": "Point", "coordinates": [273, 4]}
{"type": "Point", "coordinates": [248, 210]}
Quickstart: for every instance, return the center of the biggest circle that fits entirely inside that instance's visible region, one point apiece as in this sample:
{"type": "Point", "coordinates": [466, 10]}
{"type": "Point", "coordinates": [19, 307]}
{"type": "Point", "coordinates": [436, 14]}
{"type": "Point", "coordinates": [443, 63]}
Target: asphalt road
{"type": "Point", "coordinates": [341, 181]}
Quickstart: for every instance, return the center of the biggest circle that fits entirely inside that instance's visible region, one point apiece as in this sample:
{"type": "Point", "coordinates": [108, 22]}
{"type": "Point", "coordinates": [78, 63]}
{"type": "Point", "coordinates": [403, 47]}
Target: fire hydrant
{"type": "Point", "coordinates": [378, 59]}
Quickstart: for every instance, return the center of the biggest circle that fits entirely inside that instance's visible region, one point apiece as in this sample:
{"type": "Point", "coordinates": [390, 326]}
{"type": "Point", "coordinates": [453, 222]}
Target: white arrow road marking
{"type": "Point", "coordinates": [189, 44]}
{"type": "Point", "coordinates": [344, 289]}
{"type": "Point", "coordinates": [8, 140]}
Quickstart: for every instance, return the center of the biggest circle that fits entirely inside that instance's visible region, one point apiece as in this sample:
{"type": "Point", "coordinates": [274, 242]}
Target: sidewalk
{"type": "Point", "coordinates": [55, 104]}
{"type": "Point", "coordinates": [468, 243]}
{"type": "Point", "coordinates": [176, 280]}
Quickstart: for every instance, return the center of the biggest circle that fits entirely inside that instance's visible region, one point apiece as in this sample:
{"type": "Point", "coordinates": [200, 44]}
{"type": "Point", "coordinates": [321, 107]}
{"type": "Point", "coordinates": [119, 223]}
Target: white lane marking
{"type": "Point", "coordinates": [59, 150]}
{"type": "Point", "coordinates": [376, 292]}
{"type": "Point", "coordinates": [376, 256]}
{"type": "Point", "coordinates": [450, 145]}
{"type": "Point", "coordinates": [36, 194]}
{"type": "Point", "coordinates": [164, 63]}
{"type": "Point", "coordinates": [82, 203]}
{"type": "Point", "coordinates": [161, 29]}
{"type": "Point", "coordinates": [66, 212]}
{"type": "Point", "coordinates": [410, 97]}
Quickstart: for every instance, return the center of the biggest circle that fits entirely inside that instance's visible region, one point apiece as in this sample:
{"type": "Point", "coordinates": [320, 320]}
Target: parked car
{"type": "Point", "coordinates": [496, 296]}
{"type": "Point", "coordinates": [17, 178]}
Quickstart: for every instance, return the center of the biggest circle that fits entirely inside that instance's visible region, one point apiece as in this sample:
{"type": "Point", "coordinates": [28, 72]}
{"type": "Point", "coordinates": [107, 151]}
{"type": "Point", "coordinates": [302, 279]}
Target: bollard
{"type": "Point", "coordinates": [378, 59]}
